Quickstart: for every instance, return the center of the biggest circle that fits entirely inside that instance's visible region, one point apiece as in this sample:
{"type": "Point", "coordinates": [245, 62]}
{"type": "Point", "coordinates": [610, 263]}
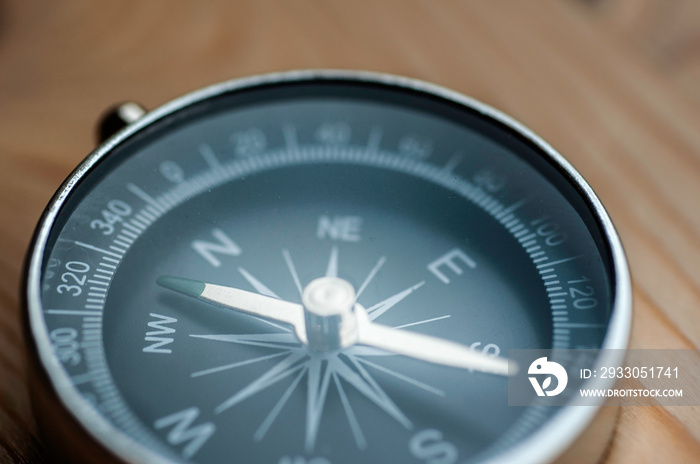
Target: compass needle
{"type": "Point", "coordinates": [428, 348]}
{"type": "Point", "coordinates": [398, 341]}
{"type": "Point", "coordinates": [237, 299]}
{"type": "Point", "coordinates": [318, 267]}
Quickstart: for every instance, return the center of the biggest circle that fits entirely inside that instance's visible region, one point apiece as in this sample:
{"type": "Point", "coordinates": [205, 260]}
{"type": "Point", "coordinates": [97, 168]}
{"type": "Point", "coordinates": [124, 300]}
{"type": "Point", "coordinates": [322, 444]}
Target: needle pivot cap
{"type": "Point", "coordinates": [328, 313]}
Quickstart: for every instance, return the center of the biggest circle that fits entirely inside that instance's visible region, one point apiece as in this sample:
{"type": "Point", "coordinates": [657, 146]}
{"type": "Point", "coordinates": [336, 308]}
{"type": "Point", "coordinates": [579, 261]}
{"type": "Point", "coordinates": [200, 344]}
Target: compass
{"type": "Point", "coordinates": [317, 267]}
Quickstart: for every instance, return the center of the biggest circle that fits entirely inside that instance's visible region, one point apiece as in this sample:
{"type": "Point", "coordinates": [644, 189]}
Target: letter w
{"type": "Point", "coordinates": [155, 335]}
{"type": "Point", "coordinates": [183, 432]}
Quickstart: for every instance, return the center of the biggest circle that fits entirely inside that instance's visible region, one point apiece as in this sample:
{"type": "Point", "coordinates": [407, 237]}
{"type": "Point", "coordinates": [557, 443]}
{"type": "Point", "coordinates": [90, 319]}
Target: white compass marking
{"type": "Point", "coordinates": [554, 263]}
{"type": "Point", "coordinates": [136, 190]}
{"type": "Point", "coordinates": [364, 383]}
{"type": "Point", "coordinates": [423, 322]}
{"type": "Point", "coordinates": [73, 312]}
{"type": "Point", "coordinates": [332, 269]}
{"type": "Point", "coordinates": [350, 414]}
{"type": "Point", "coordinates": [359, 350]}
{"type": "Point", "coordinates": [290, 137]}
{"type": "Point", "coordinates": [371, 275]}
{"type": "Point", "coordinates": [383, 306]}
{"type": "Point", "coordinates": [283, 369]}
{"type": "Point", "coordinates": [317, 389]}
{"type": "Point", "coordinates": [453, 163]}
{"type": "Point", "coordinates": [270, 419]}
{"type": "Point", "coordinates": [405, 378]}
{"type": "Point", "coordinates": [285, 340]}
{"type": "Point", "coordinates": [225, 367]}
{"type": "Point", "coordinates": [273, 324]}
{"type": "Point", "coordinates": [209, 156]}
{"type": "Point", "coordinates": [97, 249]}
{"type": "Point", "coordinates": [86, 377]}
{"type": "Point", "coordinates": [578, 325]}
{"type": "Point", "coordinates": [292, 269]}
{"type": "Point", "coordinates": [257, 285]}
{"type": "Point", "coordinates": [375, 136]}
{"type": "Point", "coordinates": [512, 208]}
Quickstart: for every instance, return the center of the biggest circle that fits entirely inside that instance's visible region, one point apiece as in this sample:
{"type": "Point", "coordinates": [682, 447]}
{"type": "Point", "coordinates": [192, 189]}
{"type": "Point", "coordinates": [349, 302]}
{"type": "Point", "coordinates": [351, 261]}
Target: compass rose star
{"type": "Point", "coordinates": [323, 370]}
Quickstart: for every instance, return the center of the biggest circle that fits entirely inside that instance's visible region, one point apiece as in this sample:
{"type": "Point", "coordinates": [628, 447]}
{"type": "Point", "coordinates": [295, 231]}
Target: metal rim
{"type": "Point", "coordinates": [545, 445]}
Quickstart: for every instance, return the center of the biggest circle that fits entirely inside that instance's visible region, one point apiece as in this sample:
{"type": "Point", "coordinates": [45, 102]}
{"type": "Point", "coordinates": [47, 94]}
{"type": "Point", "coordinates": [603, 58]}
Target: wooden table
{"type": "Point", "coordinates": [612, 84]}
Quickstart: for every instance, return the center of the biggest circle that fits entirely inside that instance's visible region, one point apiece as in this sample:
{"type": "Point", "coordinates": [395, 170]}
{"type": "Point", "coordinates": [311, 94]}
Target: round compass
{"type": "Point", "coordinates": [317, 268]}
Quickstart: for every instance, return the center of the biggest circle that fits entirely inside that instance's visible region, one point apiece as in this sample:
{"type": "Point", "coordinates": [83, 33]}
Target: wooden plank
{"type": "Point", "coordinates": [563, 68]}
{"type": "Point", "coordinates": [664, 31]}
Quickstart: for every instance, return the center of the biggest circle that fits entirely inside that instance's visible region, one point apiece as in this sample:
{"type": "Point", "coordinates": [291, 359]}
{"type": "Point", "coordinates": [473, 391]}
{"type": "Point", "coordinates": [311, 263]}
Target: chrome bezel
{"type": "Point", "coordinates": [545, 445]}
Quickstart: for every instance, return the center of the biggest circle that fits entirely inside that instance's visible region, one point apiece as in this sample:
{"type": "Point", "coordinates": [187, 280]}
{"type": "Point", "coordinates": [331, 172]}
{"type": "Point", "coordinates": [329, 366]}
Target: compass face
{"type": "Point", "coordinates": [446, 222]}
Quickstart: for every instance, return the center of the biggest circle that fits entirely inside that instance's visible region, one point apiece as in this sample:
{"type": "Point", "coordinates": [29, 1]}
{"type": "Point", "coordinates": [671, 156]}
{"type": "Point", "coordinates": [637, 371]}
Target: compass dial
{"type": "Point", "coordinates": [315, 269]}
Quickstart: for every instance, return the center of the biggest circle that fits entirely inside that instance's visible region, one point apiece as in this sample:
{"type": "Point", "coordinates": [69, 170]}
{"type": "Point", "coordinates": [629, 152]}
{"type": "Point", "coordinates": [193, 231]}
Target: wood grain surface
{"type": "Point", "coordinates": [613, 85]}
